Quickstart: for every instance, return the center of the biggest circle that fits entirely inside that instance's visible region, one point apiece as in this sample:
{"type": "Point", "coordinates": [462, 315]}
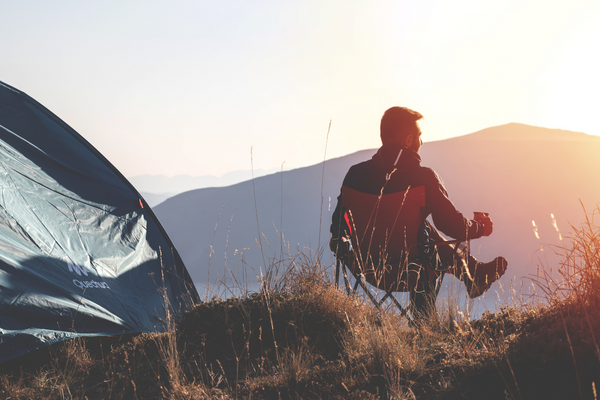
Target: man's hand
{"type": "Point", "coordinates": [488, 225]}
{"type": "Point", "coordinates": [341, 247]}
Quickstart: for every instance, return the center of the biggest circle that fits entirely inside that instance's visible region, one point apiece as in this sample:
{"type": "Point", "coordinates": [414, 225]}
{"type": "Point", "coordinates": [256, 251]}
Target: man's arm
{"type": "Point", "coordinates": [445, 215]}
{"type": "Point", "coordinates": [336, 228]}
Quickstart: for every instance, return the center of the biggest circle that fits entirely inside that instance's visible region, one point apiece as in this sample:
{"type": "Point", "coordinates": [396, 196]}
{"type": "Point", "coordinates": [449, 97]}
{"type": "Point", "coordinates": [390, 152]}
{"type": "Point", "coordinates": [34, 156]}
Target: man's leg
{"type": "Point", "coordinates": [422, 301]}
{"type": "Point", "coordinates": [477, 276]}
{"type": "Point", "coordinates": [423, 297]}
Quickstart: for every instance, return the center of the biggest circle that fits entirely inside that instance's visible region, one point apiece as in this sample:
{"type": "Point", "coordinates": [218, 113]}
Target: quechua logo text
{"type": "Point", "coordinates": [81, 271]}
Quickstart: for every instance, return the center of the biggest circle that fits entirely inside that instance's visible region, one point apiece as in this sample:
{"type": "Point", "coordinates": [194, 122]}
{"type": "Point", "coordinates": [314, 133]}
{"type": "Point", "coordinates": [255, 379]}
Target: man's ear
{"type": "Point", "coordinates": [408, 140]}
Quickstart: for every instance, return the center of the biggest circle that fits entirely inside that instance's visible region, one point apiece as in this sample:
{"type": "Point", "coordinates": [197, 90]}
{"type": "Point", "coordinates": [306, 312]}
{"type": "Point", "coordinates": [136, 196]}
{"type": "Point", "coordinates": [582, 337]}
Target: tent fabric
{"type": "Point", "coordinates": [81, 253]}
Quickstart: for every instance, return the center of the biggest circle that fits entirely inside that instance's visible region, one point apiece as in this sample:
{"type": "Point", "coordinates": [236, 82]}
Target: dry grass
{"type": "Point", "coordinates": [579, 269]}
{"type": "Point", "coordinates": [300, 337]}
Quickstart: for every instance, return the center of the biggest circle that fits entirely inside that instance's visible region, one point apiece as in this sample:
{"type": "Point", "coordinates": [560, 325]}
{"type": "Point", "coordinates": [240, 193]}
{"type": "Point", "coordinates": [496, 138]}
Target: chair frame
{"type": "Point", "coordinates": [418, 260]}
{"type": "Point", "coordinates": [360, 282]}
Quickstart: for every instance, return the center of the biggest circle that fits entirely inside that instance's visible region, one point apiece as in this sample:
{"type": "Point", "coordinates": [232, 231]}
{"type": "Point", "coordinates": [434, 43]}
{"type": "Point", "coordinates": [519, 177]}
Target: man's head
{"type": "Point", "coordinates": [399, 125]}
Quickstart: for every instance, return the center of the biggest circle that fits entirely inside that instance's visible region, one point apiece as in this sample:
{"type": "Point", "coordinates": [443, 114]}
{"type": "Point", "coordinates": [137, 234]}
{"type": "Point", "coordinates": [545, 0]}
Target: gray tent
{"type": "Point", "coordinates": [81, 253]}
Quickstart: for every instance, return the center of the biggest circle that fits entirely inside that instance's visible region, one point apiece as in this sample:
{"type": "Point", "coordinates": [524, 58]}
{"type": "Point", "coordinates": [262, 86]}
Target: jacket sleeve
{"type": "Point", "coordinates": [338, 226]}
{"type": "Point", "coordinates": [336, 229]}
{"type": "Point", "coordinates": [445, 215]}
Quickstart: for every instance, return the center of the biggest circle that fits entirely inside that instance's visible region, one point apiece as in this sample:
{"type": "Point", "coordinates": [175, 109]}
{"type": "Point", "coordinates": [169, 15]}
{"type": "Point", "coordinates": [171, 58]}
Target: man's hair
{"type": "Point", "coordinates": [397, 123]}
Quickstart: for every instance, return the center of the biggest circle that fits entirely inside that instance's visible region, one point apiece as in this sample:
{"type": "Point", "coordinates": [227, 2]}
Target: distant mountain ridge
{"type": "Point", "coordinates": [517, 173]}
{"type": "Point", "coordinates": [184, 183]}
{"type": "Point", "coordinates": [516, 132]}
{"type": "Point", "coordinates": [157, 188]}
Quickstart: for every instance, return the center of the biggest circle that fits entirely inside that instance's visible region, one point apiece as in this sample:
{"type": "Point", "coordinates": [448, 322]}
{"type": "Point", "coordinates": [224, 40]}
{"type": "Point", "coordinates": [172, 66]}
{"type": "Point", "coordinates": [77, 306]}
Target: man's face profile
{"type": "Point", "coordinates": [414, 141]}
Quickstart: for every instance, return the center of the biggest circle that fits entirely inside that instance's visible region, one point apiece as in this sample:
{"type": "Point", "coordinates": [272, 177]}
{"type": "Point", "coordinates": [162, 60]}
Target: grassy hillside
{"type": "Point", "coordinates": [300, 337]}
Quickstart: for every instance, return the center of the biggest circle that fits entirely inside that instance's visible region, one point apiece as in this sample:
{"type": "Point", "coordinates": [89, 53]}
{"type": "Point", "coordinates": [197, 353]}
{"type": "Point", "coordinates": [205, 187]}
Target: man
{"type": "Point", "coordinates": [395, 168]}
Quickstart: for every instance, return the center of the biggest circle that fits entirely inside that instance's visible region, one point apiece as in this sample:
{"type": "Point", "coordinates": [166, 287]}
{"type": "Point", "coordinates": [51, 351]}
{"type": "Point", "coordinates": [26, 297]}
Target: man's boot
{"type": "Point", "coordinates": [482, 275]}
{"type": "Point", "coordinates": [477, 276]}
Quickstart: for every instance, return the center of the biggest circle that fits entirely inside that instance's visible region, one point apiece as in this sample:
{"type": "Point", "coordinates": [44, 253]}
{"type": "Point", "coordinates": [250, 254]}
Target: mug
{"type": "Point", "coordinates": [478, 215]}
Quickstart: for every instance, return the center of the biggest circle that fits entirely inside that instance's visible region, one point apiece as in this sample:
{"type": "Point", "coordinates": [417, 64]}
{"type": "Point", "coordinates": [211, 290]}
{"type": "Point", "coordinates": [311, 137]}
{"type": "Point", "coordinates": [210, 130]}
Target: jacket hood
{"type": "Point", "coordinates": [396, 156]}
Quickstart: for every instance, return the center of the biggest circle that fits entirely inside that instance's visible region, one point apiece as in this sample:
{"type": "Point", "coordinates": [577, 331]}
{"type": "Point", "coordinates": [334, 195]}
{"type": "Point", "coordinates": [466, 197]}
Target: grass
{"type": "Point", "coordinates": [300, 337]}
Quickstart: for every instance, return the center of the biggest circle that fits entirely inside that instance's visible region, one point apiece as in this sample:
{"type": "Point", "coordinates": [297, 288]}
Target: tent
{"type": "Point", "coordinates": [81, 253]}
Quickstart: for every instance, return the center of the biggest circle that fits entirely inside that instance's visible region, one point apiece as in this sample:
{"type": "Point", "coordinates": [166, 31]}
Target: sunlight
{"type": "Point", "coordinates": [573, 84]}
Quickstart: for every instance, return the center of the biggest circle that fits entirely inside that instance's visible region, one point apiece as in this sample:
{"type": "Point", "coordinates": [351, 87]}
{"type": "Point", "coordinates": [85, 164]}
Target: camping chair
{"type": "Point", "coordinates": [391, 249]}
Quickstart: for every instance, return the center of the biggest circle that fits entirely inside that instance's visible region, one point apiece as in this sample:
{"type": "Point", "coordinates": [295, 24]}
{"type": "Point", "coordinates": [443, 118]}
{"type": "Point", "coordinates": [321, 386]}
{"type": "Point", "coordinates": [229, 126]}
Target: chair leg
{"type": "Point", "coordinates": [355, 287]}
{"type": "Point", "coordinates": [346, 280]}
{"type": "Point", "coordinates": [438, 284]}
{"type": "Point", "coordinates": [403, 310]}
{"type": "Point", "coordinates": [359, 282]}
{"type": "Point", "coordinates": [384, 298]}
{"type": "Point", "coordinates": [337, 272]}
{"type": "Point", "coordinates": [364, 287]}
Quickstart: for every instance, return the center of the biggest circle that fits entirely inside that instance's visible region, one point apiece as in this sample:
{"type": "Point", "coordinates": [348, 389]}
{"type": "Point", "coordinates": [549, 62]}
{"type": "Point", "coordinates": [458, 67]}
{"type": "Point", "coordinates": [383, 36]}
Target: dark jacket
{"type": "Point", "coordinates": [403, 168]}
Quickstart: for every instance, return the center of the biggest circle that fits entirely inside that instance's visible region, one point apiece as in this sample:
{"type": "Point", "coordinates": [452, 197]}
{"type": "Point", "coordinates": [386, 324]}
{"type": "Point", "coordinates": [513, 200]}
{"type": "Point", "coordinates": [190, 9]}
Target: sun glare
{"type": "Point", "coordinates": [573, 83]}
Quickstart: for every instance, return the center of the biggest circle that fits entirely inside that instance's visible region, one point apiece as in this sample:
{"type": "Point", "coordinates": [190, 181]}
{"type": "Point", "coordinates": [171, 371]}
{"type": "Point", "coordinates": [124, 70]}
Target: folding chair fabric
{"type": "Point", "coordinates": [384, 231]}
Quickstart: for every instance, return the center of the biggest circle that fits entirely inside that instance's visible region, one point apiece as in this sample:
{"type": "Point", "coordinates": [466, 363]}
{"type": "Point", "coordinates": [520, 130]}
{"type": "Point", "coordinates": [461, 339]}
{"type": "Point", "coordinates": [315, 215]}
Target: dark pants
{"type": "Point", "coordinates": [443, 258]}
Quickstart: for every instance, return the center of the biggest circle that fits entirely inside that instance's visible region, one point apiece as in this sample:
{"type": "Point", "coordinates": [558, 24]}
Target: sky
{"type": "Point", "coordinates": [208, 87]}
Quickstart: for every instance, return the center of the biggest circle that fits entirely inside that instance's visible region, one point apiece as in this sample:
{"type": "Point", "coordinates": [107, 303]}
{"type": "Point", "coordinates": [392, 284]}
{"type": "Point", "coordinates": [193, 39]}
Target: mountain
{"type": "Point", "coordinates": [158, 188]}
{"type": "Point", "coordinates": [517, 173]}
{"type": "Point", "coordinates": [154, 199]}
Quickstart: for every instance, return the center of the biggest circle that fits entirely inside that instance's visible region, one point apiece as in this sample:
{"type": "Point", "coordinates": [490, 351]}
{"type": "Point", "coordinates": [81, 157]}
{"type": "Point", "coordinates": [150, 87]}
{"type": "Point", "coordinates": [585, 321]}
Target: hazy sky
{"type": "Point", "coordinates": [188, 87]}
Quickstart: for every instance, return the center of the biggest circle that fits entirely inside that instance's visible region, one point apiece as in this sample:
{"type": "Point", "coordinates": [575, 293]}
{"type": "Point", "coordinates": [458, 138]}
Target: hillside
{"type": "Point", "coordinates": [304, 339]}
{"type": "Point", "coordinates": [517, 173]}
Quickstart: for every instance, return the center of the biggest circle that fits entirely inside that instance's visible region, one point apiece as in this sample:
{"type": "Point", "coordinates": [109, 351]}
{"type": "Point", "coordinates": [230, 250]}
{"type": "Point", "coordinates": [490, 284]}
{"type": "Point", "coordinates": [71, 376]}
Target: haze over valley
{"type": "Point", "coordinates": [158, 188]}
